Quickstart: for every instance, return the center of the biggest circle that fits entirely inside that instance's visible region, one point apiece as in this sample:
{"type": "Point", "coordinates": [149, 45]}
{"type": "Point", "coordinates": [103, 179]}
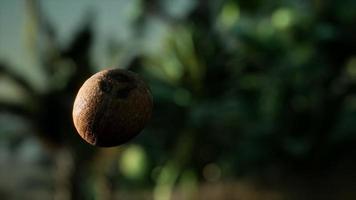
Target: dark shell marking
{"type": "Point", "coordinates": [126, 85]}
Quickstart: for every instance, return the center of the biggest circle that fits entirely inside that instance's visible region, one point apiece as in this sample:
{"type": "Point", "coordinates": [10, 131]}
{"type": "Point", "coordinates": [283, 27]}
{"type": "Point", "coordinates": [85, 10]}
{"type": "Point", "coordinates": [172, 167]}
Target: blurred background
{"type": "Point", "coordinates": [252, 99]}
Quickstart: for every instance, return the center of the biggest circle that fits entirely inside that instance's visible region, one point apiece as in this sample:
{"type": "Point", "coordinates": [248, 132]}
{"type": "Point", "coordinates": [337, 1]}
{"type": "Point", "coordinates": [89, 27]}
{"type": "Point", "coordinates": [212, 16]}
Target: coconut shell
{"type": "Point", "coordinates": [112, 107]}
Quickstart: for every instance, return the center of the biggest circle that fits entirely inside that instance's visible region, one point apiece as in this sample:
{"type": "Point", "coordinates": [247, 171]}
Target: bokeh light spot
{"type": "Point", "coordinates": [133, 162]}
{"type": "Point", "coordinates": [229, 15]}
{"type": "Point", "coordinates": [282, 18]}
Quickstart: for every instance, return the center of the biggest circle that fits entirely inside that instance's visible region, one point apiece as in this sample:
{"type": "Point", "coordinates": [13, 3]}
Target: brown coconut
{"type": "Point", "coordinates": [112, 107]}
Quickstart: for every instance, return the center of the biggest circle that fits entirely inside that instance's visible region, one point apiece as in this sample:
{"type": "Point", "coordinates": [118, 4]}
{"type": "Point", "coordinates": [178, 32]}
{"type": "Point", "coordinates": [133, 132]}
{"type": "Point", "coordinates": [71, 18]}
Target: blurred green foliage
{"type": "Point", "coordinates": [240, 88]}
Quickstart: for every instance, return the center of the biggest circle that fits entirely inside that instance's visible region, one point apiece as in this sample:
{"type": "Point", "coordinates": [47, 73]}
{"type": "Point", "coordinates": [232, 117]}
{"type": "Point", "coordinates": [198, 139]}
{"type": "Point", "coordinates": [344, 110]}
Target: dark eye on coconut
{"type": "Point", "coordinates": [105, 86]}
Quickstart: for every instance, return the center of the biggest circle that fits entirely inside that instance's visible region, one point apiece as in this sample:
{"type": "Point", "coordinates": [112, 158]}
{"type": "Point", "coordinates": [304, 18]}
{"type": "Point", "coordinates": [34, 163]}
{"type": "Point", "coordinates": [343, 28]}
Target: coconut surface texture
{"type": "Point", "coordinates": [112, 107]}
